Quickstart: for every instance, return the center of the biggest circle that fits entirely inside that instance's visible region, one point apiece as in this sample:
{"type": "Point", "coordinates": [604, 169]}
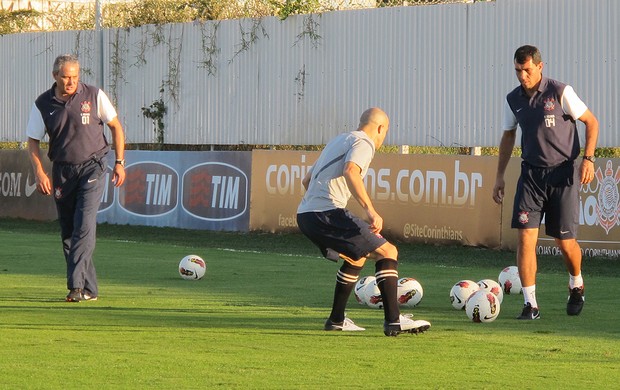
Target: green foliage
{"type": "Point", "coordinates": [16, 21]}
{"type": "Point", "coordinates": [607, 152]}
{"type": "Point", "coordinates": [81, 16]}
{"type": "Point", "coordinates": [133, 14]}
{"type": "Point", "coordinates": [10, 145]}
{"type": "Point", "coordinates": [286, 8]}
{"type": "Point", "coordinates": [218, 9]}
{"type": "Point", "coordinates": [156, 112]}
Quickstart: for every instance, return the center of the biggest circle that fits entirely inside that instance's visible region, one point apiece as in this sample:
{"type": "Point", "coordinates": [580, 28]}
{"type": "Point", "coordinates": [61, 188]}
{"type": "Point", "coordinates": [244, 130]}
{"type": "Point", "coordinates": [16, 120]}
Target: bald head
{"type": "Point", "coordinates": [374, 116]}
{"type": "Point", "coordinates": [375, 123]}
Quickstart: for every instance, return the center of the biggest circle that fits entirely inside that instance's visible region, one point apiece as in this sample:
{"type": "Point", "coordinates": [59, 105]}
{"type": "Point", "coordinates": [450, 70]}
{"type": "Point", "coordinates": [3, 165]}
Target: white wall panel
{"type": "Point", "coordinates": [440, 71]}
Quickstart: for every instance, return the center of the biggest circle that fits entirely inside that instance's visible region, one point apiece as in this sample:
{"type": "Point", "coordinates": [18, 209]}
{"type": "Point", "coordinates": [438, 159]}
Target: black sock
{"type": "Point", "coordinates": [345, 281]}
{"type": "Point", "coordinates": [386, 272]}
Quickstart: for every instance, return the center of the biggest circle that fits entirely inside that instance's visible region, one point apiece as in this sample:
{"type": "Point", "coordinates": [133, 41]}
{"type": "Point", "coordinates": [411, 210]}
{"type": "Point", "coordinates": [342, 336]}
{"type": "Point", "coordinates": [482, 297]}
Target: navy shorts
{"type": "Point", "coordinates": [339, 232]}
{"type": "Point", "coordinates": [552, 193]}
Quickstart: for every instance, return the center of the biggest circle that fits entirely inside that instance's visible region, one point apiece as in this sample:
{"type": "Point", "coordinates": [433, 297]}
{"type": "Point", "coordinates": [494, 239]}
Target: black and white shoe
{"type": "Point", "coordinates": [405, 324]}
{"type": "Point", "coordinates": [575, 302]}
{"type": "Point", "coordinates": [88, 296]}
{"type": "Point", "coordinates": [529, 313]}
{"type": "Point", "coordinates": [345, 326]}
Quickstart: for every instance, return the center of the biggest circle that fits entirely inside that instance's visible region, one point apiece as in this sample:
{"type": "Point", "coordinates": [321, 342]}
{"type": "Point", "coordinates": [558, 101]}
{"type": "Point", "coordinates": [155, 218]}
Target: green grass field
{"type": "Point", "coordinates": [255, 320]}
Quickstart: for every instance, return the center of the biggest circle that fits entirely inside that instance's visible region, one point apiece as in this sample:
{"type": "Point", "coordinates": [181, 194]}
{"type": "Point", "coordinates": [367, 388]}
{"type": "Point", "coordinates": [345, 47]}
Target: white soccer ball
{"type": "Point", "coordinates": [461, 291]}
{"type": "Point", "coordinates": [360, 289]}
{"type": "Point", "coordinates": [410, 292]}
{"type": "Point", "coordinates": [509, 280]}
{"type": "Point", "coordinates": [491, 285]}
{"type": "Point", "coordinates": [482, 306]}
{"type": "Point", "coordinates": [373, 295]}
{"type": "Point", "coordinates": [192, 267]}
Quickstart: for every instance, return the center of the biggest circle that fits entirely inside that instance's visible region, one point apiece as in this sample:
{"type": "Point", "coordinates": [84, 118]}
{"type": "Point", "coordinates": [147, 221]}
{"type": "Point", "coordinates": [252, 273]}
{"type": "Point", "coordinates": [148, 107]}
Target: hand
{"type": "Point", "coordinates": [498, 191]}
{"type": "Point", "coordinates": [587, 171]}
{"type": "Point", "coordinates": [376, 222]}
{"type": "Point", "coordinates": [44, 185]}
{"type": "Point", "coordinates": [118, 176]}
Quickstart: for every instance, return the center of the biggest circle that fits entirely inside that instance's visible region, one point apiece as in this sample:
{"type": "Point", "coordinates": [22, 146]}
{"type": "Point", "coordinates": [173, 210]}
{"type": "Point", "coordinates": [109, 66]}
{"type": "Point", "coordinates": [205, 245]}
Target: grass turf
{"type": "Point", "coordinates": [255, 320]}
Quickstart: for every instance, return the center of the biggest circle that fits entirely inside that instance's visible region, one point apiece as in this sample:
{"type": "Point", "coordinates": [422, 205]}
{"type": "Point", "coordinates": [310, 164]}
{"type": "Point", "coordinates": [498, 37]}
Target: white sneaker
{"type": "Point", "coordinates": [405, 324]}
{"type": "Point", "coordinates": [87, 297]}
{"type": "Point", "coordinates": [346, 326]}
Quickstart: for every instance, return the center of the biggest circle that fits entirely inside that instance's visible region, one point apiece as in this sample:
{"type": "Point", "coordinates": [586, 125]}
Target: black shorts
{"type": "Point", "coordinates": [550, 193]}
{"type": "Point", "coordinates": [339, 232]}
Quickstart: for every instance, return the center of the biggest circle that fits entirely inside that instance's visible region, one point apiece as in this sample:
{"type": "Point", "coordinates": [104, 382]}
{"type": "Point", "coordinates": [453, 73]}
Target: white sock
{"type": "Point", "coordinates": [575, 281]}
{"type": "Point", "coordinates": [529, 295]}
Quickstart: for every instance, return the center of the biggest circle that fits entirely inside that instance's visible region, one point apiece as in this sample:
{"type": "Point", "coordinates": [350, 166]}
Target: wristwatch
{"type": "Point", "coordinates": [592, 159]}
{"type": "Point", "coordinates": [120, 162]}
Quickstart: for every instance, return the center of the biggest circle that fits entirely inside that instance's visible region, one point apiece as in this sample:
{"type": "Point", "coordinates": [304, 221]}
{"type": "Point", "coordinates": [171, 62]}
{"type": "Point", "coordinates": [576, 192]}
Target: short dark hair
{"type": "Point", "coordinates": [525, 52]}
{"type": "Point", "coordinates": [63, 59]}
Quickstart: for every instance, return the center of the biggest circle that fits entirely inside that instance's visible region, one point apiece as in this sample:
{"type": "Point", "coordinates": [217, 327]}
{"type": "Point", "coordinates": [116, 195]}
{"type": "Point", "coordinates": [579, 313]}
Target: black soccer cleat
{"type": "Point", "coordinates": [529, 313]}
{"type": "Point", "coordinates": [575, 301]}
{"type": "Point", "coordinates": [75, 295]}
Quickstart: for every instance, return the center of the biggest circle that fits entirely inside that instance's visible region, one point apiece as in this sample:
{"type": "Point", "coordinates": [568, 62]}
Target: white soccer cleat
{"type": "Point", "coordinates": [405, 324]}
{"type": "Point", "coordinates": [345, 326]}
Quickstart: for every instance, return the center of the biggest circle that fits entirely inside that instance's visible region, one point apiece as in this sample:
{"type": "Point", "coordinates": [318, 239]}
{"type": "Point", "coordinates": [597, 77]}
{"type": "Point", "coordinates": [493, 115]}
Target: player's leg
{"type": "Point", "coordinates": [346, 278]}
{"type": "Point", "coordinates": [528, 266]}
{"type": "Point", "coordinates": [526, 256]}
{"type": "Point", "coordinates": [64, 181]}
{"type": "Point", "coordinates": [386, 273]}
{"type": "Point", "coordinates": [571, 252]}
{"type": "Point", "coordinates": [64, 209]}
{"type": "Point", "coordinates": [527, 214]}
{"type": "Point", "coordinates": [351, 238]}
{"type": "Point", "coordinates": [576, 289]}
{"type": "Point", "coordinates": [88, 199]}
{"type": "Point", "coordinates": [563, 223]}
{"type": "Point", "coordinates": [331, 231]}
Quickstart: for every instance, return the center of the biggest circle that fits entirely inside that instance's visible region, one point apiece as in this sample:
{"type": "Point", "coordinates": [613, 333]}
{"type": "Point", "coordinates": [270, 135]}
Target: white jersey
{"type": "Point", "coordinates": [328, 188]}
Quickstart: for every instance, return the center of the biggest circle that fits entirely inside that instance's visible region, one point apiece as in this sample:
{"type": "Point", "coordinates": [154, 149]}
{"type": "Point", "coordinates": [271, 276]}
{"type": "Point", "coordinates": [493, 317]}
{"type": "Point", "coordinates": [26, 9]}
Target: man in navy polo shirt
{"type": "Point", "coordinates": [72, 115]}
{"type": "Point", "coordinates": [546, 110]}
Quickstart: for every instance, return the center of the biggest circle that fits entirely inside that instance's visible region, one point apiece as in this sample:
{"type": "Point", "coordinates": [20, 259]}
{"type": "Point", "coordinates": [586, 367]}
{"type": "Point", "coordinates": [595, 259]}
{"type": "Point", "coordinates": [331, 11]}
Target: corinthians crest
{"type": "Point", "coordinates": [608, 200]}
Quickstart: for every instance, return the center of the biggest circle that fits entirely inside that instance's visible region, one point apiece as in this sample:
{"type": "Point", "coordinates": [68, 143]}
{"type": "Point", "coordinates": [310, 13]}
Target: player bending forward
{"type": "Point", "coordinates": [322, 217]}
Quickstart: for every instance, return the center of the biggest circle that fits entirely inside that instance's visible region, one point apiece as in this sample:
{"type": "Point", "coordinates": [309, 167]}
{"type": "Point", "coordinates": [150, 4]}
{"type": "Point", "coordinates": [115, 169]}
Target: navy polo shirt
{"type": "Point", "coordinates": [74, 127]}
{"type": "Point", "coordinates": [548, 122]}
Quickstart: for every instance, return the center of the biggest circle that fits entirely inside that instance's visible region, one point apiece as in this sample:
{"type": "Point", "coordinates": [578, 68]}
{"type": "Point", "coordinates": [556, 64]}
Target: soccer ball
{"type": "Point", "coordinates": [360, 289]}
{"type": "Point", "coordinates": [373, 295]}
{"type": "Point", "coordinates": [509, 280]}
{"type": "Point", "coordinates": [482, 306]}
{"type": "Point", "coordinates": [461, 291]}
{"type": "Point", "coordinates": [410, 292]}
{"type": "Point", "coordinates": [491, 285]}
{"type": "Point", "coordinates": [192, 267]}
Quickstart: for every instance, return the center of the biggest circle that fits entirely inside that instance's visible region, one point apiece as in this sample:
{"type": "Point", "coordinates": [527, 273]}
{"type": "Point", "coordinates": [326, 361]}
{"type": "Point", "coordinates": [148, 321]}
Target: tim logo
{"type": "Point", "coordinates": [608, 199]}
{"type": "Point", "coordinates": [215, 191]}
{"type": "Point", "coordinates": [150, 189]}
